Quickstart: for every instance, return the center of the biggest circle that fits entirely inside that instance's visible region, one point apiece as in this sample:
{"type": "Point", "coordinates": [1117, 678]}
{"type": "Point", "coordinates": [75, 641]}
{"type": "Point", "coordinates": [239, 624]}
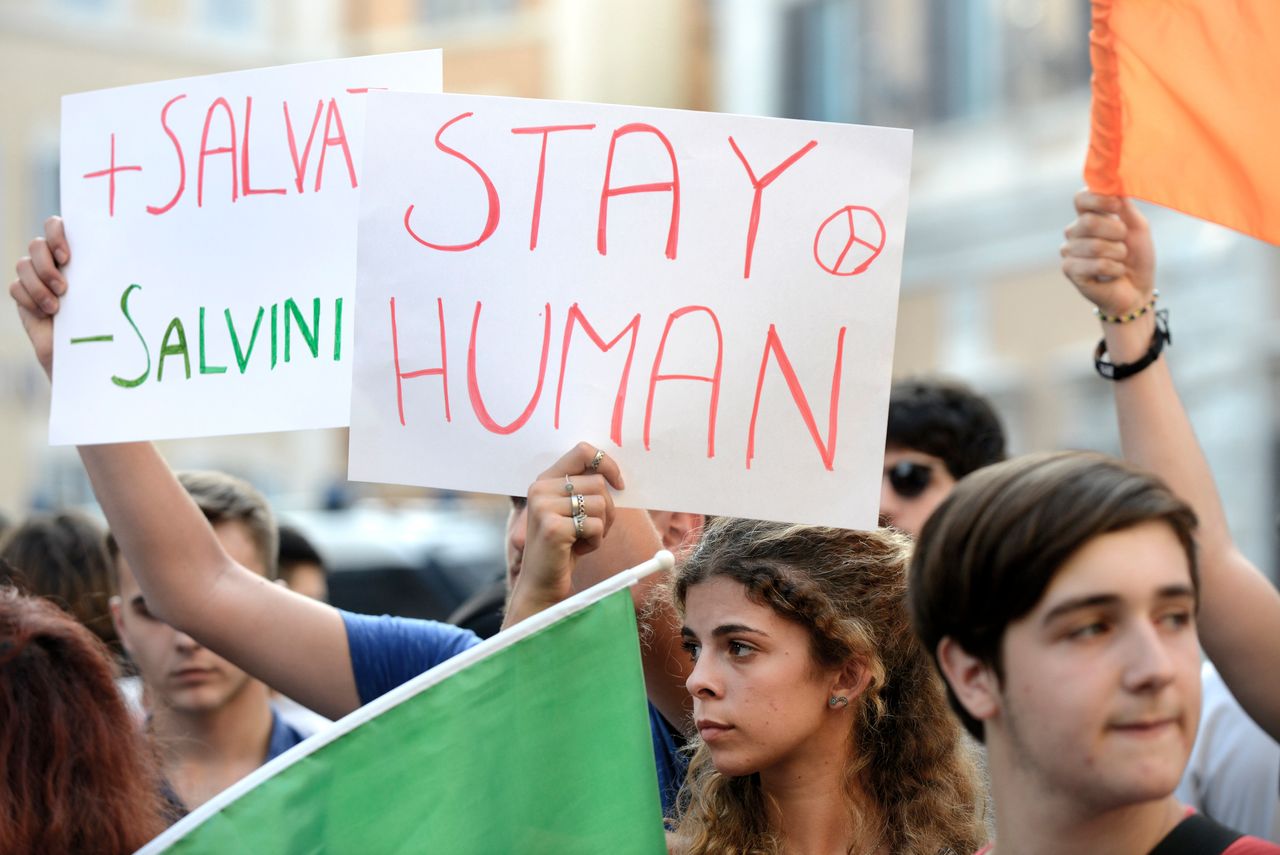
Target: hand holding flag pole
{"type": "Point", "coordinates": [1108, 253]}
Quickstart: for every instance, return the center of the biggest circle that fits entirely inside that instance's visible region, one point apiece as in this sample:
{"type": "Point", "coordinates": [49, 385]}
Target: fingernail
{"type": "Point", "coordinates": [49, 305]}
{"type": "Point", "coordinates": [60, 255]}
{"type": "Point", "coordinates": [59, 286]}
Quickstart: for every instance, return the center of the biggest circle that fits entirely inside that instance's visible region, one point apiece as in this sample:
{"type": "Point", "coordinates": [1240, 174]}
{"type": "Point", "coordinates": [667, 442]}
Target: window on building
{"type": "Point", "coordinates": [1045, 48]}
{"type": "Point", "coordinates": [915, 62]}
{"type": "Point", "coordinates": [455, 11]}
{"type": "Point", "coordinates": [91, 12]}
{"type": "Point", "coordinates": [230, 16]}
{"type": "Point", "coordinates": [46, 191]}
{"type": "Point", "coordinates": [88, 5]}
{"type": "Point", "coordinates": [238, 22]}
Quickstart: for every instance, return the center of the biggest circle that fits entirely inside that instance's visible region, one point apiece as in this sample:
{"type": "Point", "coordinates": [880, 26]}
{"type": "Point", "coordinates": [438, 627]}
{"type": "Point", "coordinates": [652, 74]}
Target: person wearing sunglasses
{"type": "Point", "coordinates": [938, 432]}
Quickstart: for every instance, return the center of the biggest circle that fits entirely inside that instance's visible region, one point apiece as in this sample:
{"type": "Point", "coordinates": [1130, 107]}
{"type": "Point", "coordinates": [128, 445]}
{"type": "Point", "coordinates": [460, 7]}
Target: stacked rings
{"type": "Point", "coordinates": [579, 526]}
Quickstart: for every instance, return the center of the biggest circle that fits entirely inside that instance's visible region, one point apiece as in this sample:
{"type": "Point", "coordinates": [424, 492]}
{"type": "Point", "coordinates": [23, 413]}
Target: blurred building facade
{"type": "Point", "coordinates": [654, 53]}
{"type": "Point", "coordinates": [997, 92]}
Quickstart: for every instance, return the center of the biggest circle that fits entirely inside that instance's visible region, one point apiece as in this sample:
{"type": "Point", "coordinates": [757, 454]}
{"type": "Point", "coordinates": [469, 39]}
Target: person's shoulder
{"type": "Point", "coordinates": [305, 721]}
{"type": "Point", "coordinates": [284, 735]}
{"type": "Point", "coordinates": [413, 631]}
{"type": "Point", "coordinates": [389, 651]}
{"type": "Point", "coordinates": [1249, 845]}
{"type": "Point", "coordinates": [1198, 832]}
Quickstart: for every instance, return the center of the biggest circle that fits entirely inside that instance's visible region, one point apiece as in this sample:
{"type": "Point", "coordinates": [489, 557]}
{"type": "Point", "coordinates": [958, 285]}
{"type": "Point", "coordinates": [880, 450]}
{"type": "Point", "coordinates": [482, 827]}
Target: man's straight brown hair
{"type": "Point", "coordinates": [225, 498]}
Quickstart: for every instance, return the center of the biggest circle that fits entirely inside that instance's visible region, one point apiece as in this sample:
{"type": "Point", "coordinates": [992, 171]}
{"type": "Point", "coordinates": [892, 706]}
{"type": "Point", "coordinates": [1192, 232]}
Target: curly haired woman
{"type": "Point", "coordinates": [822, 725]}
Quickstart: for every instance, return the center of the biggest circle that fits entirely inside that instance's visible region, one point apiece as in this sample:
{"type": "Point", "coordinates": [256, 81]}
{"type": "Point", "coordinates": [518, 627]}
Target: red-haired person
{"type": "Point", "coordinates": [75, 773]}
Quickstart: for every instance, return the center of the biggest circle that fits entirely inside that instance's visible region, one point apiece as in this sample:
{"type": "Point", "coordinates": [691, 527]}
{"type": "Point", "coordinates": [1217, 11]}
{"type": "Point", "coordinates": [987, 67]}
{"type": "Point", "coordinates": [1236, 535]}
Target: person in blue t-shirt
{"type": "Point", "coordinates": [329, 661]}
{"type": "Point", "coordinates": [386, 651]}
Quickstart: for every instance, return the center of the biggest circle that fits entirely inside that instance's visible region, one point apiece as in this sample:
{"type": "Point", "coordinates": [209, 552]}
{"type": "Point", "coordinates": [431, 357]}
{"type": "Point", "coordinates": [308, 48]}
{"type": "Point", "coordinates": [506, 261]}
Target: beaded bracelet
{"type": "Point", "coordinates": [1130, 316]}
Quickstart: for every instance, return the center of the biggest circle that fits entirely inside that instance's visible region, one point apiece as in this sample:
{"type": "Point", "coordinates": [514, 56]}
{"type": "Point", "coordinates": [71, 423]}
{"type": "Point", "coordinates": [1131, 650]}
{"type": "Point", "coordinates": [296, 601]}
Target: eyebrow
{"type": "Point", "coordinates": [1168, 592]}
{"type": "Point", "coordinates": [724, 629]}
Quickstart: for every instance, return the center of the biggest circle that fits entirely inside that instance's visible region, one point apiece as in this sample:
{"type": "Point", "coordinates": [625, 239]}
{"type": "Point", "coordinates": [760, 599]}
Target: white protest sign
{"type": "Point", "coordinates": [709, 298]}
{"type": "Point", "coordinates": [212, 224]}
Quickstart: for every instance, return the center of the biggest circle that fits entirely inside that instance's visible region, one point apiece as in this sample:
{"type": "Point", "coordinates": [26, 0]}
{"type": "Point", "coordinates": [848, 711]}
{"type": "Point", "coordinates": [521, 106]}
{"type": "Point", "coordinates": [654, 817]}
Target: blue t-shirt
{"type": "Point", "coordinates": [389, 651]}
{"type": "Point", "coordinates": [283, 736]}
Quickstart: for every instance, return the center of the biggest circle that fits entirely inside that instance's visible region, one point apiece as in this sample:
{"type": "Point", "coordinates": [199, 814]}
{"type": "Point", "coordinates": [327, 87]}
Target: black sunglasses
{"type": "Point", "coordinates": [909, 479]}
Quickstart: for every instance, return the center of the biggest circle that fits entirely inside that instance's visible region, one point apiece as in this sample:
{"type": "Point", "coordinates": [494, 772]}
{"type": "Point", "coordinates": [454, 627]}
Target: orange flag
{"type": "Point", "coordinates": [1186, 108]}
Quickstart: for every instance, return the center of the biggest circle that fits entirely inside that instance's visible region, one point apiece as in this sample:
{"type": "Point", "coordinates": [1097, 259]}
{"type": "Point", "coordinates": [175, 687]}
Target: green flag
{"type": "Point", "coordinates": [536, 740]}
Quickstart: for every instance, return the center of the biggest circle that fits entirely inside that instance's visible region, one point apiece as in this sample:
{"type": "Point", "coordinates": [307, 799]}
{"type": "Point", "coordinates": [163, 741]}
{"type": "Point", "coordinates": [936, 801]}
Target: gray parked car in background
{"type": "Point", "coordinates": [416, 561]}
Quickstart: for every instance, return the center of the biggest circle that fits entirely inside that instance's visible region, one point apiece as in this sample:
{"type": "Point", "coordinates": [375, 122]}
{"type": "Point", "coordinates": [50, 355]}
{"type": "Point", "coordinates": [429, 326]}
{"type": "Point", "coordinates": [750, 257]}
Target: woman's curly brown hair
{"type": "Point", "coordinates": [848, 588]}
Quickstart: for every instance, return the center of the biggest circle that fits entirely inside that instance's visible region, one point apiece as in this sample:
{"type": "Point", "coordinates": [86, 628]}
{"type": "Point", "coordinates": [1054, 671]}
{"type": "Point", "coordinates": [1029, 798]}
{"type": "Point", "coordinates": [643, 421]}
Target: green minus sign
{"type": "Point", "coordinates": [91, 338]}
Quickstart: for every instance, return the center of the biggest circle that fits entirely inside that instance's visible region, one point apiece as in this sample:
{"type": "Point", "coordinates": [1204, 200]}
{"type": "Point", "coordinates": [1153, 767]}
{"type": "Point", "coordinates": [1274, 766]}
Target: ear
{"type": "Point", "coordinates": [852, 680]}
{"type": "Point", "coordinates": [679, 531]}
{"type": "Point", "coordinates": [974, 682]}
{"type": "Point", "coordinates": [117, 609]}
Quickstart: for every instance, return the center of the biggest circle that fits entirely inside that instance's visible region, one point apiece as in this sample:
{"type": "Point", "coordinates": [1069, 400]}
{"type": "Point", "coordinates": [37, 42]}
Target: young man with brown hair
{"type": "Point", "coordinates": [212, 723]}
{"type": "Point", "coordinates": [1058, 594]}
{"type": "Point", "coordinates": [1109, 256]}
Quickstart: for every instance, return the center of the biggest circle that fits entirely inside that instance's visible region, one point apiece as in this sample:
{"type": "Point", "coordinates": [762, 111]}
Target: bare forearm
{"type": "Point", "coordinates": [1110, 257]}
{"type": "Point", "coordinates": [1156, 433]}
{"type": "Point", "coordinates": [170, 546]}
{"type": "Point", "coordinates": [292, 643]}
{"type": "Point", "coordinates": [1240, 609]}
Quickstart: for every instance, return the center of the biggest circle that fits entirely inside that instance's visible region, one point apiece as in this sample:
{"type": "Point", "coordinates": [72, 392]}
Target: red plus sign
{"type": "Point", "coordinates": [111, 172]}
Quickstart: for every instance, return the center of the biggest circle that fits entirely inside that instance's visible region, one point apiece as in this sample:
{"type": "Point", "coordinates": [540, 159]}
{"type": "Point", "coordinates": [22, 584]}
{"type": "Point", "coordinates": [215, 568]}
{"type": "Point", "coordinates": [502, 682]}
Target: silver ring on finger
{"type": "Point", "coordinates": [579, 526]}
{"type": "Point", "coordinates": [595, 461]}
{"type": "Point", "coordinates": [578, 505]}
{"type": "Point", "coordinates": [568, 485]}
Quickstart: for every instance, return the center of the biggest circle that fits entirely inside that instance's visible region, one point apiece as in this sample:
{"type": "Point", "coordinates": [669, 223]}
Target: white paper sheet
{"type": "Point", "coordinates": [214, 293]}
{"type": "Point", "coordinates": [489, 241]}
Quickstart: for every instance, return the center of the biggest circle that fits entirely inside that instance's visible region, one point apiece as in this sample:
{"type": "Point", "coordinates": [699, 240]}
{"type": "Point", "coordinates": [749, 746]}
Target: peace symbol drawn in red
{"type": "Point", "coordinates": [855, 253]}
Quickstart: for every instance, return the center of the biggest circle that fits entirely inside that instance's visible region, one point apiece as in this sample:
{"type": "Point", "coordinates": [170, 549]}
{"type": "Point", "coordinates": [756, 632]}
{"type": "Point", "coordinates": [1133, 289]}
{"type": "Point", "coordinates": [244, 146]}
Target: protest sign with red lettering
{"type": "Point", "coordinates": [212, 224]}
{"type": "Point", "coordinates": [709, 298]}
